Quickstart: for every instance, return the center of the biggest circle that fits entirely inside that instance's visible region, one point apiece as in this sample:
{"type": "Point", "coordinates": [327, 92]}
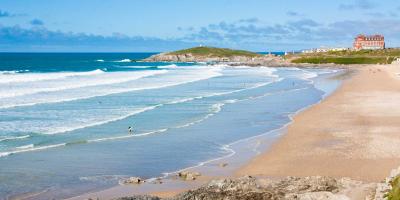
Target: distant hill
{"type": "Point", "coordinates": [206, 54]}
{"type": "Point", "coordinates": [214, 52]}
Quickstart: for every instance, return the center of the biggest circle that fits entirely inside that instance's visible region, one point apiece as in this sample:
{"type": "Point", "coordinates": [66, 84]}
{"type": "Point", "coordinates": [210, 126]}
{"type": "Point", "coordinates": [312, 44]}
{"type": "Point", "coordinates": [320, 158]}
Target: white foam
{"type": "Point", "coordinates": [292, 68]}
{"type": "Point", "coordinates": [31, 77]}
{"type": "Point", "coordinates": [3, 154]}
{"type": "Point", "coordinates": [172, 66]}
{"type": "Point", "coordinates": [102, 178]}
{"type": "Point", "coordinates": [29, 146]}
{"type": "Point", "coordinates": [127, 136]}
{"type": "Point", "coordinates": [14, 138]}
{"type": "Point", "coordinates": [16, 90]}
{"type": "Point", "coordinates": [124, 60]}
{"type": "Point", "coordinates": [215, 108]}
{"type": "Point", "coordinates": [100, 60]}
{"type": "Point", "coordinates": [99, 86]}
{"type": "Point", "coordinates": [90, 121]}
{"type": "Point", "coordinates": [307, 75]}
{"type": "Point", "coordinates": [13, 71]}
{"type": "Point", "coordinates": [64, 129]}
{"type": "Point", "coordinates": [137, 67]}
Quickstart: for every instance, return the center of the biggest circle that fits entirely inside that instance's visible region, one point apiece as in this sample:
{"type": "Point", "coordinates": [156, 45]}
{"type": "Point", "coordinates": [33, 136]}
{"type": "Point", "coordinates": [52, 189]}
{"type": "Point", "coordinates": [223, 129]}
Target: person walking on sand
{"type": "Point", "coordinates": [130, 130]}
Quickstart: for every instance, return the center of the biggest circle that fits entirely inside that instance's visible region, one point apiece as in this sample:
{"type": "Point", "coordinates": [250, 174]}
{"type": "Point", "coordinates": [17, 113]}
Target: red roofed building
{"type": "Point", "coordinates": [369, 42]}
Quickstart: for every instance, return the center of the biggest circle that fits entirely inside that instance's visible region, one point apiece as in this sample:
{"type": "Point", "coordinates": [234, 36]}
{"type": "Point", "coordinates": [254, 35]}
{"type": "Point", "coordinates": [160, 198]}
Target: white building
{"type": "Point", "coordinates": [324, 49]}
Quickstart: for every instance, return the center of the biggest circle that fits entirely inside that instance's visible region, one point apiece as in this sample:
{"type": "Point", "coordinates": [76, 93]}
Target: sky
{"type": "Point", "coordinates": [165, 25]}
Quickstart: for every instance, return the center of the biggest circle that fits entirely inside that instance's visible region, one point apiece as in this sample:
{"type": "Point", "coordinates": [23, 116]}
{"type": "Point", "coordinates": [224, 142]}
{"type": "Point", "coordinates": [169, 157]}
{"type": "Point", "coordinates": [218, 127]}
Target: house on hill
{"type": "Point", "coordinates": [369, 42]}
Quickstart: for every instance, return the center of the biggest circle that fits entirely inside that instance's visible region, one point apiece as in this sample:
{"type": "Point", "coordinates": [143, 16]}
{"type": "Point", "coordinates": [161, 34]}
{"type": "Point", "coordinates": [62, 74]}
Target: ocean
{"type": "Point", "coordinates": [64, 117]}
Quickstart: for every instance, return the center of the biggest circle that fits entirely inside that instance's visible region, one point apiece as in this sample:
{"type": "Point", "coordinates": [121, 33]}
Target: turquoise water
{"type": "Point", "coordinates": [64, 118]}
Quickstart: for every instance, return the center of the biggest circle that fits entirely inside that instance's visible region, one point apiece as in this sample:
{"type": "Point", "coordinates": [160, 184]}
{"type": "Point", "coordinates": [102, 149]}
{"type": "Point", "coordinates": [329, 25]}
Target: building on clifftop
{"type": "Point", "coordinates": [369, 42]}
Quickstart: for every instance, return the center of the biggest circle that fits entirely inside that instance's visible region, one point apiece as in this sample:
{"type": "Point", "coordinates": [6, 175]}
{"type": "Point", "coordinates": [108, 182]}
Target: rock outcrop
{"type": "Point", "coordinates": [188, 176]}
{"type": "Point", "coordinates": [140, 197]}
{"type": "Point", "coordinates": [251, 188]}
{"type": "Point", "coordinates": [261, 60]}
{"type": "Point", "coordinates": [167, 57]}
{"type": "Point", "coordinates": [307, 188]}
{"type": "Point", "coordinates": [132, 180]}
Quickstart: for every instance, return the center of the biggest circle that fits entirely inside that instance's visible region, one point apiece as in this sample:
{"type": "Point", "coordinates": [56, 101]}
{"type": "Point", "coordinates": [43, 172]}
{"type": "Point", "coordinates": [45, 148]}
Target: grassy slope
{"type": "Point", "coordinates": [344, 60]}
{"type": "Point", "coordinates": [217, 52]}
{"type": "Point", "coordinates": [394, 193]}
{"type": "Point", "coordinates": [349, 57]}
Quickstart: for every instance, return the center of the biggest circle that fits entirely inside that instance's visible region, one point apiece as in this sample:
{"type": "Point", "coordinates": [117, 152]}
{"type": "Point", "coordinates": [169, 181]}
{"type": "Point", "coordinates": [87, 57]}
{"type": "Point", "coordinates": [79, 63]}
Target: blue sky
{"type": "Point", "coordinates": [162, 25]}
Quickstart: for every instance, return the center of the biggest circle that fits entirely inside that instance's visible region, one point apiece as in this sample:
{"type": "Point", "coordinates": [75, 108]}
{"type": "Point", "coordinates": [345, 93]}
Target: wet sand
{"type": "Point", "coordinates": [353, 133]}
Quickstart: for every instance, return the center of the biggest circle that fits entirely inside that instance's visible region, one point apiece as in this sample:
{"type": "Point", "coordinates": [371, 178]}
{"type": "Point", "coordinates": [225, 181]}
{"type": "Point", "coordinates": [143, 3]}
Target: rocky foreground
{"type": "Point", "coordinates": [307, 188]}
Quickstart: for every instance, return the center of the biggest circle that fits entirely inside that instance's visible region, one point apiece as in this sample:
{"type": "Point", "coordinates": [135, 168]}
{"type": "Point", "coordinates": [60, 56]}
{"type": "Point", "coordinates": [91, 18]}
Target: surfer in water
{"type": "Point", "coordinates": [130, 130]}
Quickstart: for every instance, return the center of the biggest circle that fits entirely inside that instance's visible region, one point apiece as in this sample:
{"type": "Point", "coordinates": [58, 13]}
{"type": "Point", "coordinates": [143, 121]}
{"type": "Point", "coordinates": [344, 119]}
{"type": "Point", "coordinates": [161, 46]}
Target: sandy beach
{"type": "Point", "coordinates": [352, 133]}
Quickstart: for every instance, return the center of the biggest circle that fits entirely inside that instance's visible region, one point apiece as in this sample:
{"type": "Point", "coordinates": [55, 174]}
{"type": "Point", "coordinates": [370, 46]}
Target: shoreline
{"type": "Point", "coordinates": [349, 134]}
{"type": "Point", "coordinates": [209, 168]}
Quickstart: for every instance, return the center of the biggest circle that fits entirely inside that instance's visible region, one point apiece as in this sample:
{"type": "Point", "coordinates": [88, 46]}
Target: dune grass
{"type": "Point", "coordinates": [381, 56]}
{"type": "Point", "coordinates": [344, 60]}
{"type": "Point", "coordinates": [394, 193]}
{"type": "Point", "coordinates": [393, 52]}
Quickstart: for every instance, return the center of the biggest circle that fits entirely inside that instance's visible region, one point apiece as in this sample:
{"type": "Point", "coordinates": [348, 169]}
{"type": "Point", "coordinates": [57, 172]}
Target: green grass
{"type": "Point", "coordinates": [344, 60]}
{"type": "Point", "coordinates": [370, 53]}
{"type": "Point", "coordinates": [394, 193]}
{"type": "Point", "coordinates": [382, 56]}
{"type": "Point", "coordinates": [217, 52]}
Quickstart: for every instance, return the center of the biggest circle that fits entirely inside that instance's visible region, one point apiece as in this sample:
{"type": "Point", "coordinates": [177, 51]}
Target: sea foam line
{"type": "Point", "coordinates": [89, 83]}
{"type": "Point", "coordinates": [3, 154]}
{"type": "Point", "coordinates": [14, 138]}
{"type": "Point", "coordinates": [159, 105]}
{"type": "Point", "coordinates": [212, 74]}
{"type": "Point", "coordinates": [31, 147]}
{"type": "Point", "coordinates": [106, 121]}
{"type": "Point", "coordinates": [30, 77]}
{"type": "Point", "coordinates": [27, 148]}
{"type": "Point", "coordinates": [216, 108]}
{"type": "Point", "coordinates": [124, 60]}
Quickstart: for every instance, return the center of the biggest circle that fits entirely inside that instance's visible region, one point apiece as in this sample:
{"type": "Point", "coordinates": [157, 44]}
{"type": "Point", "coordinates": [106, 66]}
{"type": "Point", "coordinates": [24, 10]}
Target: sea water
{"type": "Point", "coordinates": [64, 117]}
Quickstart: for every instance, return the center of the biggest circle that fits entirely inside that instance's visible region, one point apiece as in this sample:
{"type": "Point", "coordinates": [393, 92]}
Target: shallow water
{"type": "Point", "coordinates": [64, 131]}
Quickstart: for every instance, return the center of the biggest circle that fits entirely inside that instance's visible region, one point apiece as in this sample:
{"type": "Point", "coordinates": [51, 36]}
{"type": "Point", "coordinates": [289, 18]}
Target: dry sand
{"type": "Point", "coordinates": [353, 133]}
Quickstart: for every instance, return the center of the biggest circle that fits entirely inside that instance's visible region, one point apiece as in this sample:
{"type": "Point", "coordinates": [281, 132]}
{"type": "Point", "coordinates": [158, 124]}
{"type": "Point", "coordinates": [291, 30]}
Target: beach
{"type": "Point", "coordinates": [352, 133]}
{"type": "Point", "coordinates": [68, 131]}
{"type": "Point", "coordinates": [331, 121]}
